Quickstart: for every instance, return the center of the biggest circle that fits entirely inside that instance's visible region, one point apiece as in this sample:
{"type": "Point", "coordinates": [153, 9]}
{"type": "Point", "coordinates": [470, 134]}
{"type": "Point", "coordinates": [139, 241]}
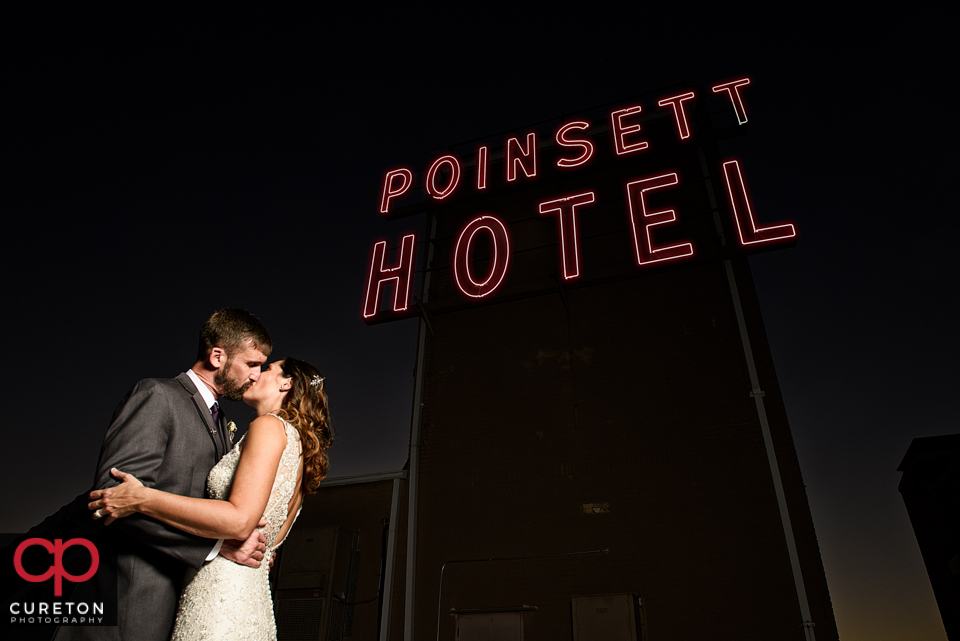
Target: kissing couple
{"type": "Point", "coordinates": [193, 518]}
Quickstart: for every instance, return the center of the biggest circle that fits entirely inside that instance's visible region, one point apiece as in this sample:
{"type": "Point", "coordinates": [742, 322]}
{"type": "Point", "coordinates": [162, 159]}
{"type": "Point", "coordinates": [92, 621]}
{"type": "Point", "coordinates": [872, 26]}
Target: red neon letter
{"type": "Point", "coordinates": [733, 90]}
{"type": "Point", "coordinates": [619, 131]}
{"type": "Point", "coordinates": [566, 209]}
{"type": "Point", "coordinates": [499, 260]}
{"type": "Point", "coordinates": [379, 275]}
{"type": "Point", "coordinates": [391, 190]}
{"type": "Point", "coordinates": [583, 143]}
{"type": "Point", "coordinates": [432, 189]}
{"type": "Point", "coordinates": [749, 233]}
{"type": "Point", "coordinates": [513, 158]}
{"type": "Point", "coordinates": [482, 168]}
{"type": "Point", "coordinates": [676, 103]}
{"type": "Point", "coordinates": [640, 218]}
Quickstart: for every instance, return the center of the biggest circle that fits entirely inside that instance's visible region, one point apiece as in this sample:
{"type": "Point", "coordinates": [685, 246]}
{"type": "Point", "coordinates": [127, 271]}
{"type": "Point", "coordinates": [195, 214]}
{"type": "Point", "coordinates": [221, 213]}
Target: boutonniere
{"type": "Point", "coordinates": [231, 429]}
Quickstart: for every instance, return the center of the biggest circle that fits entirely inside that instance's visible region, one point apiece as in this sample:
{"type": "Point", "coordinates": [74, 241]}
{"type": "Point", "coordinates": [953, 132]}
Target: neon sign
{"type": "Point", "coordinates": [583, 143]}
{"type": "Point", "coordinates": [621, 131]}
{"type": "Point", "coordinates": [481, 168]}
{"type": "Point", "coordinates": [442, 192]}
{"type": "Point", "coordinates": [400, 275]}
{"type": "Point", "coordinates": [481, 248]}
{"type": "Point", "coordinates": [747, 228]}
{"type": "Point", "coordinates": [732, 89]}
{"type": "Point", "coordinates": [641, 219]}
{"type": "Point", "coordinates": [500, 248]}
{"type": "Point", "coordinates": [566, 210]}
{"type": "Point", "coordinates": [524, 157]}
{"type": "Point", "coordinates": [679, 114]}
{"type": "Point", "coordinates": [392, 190]}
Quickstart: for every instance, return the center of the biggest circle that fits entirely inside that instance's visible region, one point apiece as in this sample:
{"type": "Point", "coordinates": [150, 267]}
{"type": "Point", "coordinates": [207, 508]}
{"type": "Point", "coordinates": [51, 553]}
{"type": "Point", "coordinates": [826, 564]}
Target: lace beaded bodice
{"type": "Point", "coordinates": [220, 482]}
{"type": "Point", "coordinates": [224, 600]}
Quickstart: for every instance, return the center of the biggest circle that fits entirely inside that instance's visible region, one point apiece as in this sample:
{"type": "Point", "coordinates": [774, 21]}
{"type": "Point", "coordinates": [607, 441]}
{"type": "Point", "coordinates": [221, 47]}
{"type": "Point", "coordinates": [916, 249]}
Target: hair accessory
{"type": "Point", "coordinates": [317, 381]}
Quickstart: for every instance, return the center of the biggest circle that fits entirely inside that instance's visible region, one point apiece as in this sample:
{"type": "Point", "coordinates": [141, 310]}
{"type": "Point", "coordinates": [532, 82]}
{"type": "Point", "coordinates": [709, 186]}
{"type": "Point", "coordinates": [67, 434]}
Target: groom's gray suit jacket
{"type": "Point", "coordinates": [162, 433]}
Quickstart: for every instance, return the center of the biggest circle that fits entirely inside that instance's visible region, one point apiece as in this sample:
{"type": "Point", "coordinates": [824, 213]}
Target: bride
{"type": "Point", "coordinates": [280, 458]}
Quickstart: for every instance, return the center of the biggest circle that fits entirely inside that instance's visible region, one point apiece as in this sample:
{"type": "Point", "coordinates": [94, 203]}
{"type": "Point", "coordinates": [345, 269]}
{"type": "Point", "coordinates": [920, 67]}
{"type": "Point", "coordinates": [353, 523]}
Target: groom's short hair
{"type": "Point", "coordinates": [229, 329]}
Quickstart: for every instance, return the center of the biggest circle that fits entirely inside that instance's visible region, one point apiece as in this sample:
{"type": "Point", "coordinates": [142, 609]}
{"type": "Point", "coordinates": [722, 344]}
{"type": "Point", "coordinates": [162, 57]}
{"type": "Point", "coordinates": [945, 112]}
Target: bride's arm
{"type": "Point", "coordinates": [232, 519]}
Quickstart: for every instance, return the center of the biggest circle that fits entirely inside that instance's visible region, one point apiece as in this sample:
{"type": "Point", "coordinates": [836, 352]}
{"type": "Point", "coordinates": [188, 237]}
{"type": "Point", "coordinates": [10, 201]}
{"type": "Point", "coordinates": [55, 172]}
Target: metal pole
{"type": "Point", "coordinates": [412, 488]}
{"type": "Point", "coordinates": [757, 393]}
{"type": "Point", "coordinates": [391, 562]}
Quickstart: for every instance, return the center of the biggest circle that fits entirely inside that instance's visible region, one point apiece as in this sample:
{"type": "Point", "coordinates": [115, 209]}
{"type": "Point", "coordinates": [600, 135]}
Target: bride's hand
{"type": "Point", "coordinates": [119, 501]}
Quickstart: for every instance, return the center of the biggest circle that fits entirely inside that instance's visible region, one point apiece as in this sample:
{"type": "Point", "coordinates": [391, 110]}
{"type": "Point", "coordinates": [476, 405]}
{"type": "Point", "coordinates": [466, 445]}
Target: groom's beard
{"type": "Point", "coordinates": [230, 389]}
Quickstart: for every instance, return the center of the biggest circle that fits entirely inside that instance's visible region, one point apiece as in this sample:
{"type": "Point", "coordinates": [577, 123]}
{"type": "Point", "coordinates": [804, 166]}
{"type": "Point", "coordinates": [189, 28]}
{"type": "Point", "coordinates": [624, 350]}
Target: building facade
{"type": "Point", "coordinates": [599, 447]}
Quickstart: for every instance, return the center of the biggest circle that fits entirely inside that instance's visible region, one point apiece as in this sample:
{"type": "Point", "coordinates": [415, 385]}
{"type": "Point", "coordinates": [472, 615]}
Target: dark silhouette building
{"type": "Point", "coordinates": [930, 487]}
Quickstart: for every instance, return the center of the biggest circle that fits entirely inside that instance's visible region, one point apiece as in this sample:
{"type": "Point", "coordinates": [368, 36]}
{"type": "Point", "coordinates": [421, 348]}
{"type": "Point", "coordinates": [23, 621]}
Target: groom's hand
{"type": "Point", "coordinates": [249, 552]}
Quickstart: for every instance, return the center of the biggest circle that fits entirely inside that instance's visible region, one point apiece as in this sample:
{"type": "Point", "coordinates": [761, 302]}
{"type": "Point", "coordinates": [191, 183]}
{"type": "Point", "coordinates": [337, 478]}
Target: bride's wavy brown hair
{"type": "Point", "coordinates": [305, 407]}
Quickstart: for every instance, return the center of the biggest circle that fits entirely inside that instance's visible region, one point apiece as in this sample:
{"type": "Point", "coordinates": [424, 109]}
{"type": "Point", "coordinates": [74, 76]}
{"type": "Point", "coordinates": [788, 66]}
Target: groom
{"type": "Point", "coordinates": [169, 433]}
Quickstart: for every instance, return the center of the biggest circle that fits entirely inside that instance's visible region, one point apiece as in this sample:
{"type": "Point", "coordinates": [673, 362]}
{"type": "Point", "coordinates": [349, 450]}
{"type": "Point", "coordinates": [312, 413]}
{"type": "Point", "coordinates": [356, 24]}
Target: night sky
{"type": "Point", "coordinates": [165, 166]}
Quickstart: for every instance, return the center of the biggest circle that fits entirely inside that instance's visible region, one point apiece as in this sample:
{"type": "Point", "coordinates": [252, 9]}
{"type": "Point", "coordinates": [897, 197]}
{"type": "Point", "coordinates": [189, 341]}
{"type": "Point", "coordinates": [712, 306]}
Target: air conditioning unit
{"type": "Point", "coordinates": [608, 617]}
{"type": "Point", "coordinates": [315, 569]}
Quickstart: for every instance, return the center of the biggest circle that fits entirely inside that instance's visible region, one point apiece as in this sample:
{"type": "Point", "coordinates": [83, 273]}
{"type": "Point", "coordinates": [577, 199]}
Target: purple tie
{"type": "Point", "coordinates": [215, 410]}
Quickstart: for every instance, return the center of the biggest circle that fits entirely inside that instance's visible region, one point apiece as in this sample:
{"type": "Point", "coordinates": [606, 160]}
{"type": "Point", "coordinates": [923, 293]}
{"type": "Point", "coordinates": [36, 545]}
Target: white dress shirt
{"type": "Point", "coordinates": [209, 399]}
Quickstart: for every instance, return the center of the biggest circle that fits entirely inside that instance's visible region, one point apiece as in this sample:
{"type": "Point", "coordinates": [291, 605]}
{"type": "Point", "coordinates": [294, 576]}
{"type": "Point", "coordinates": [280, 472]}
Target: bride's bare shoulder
{"type": "Point", "coordinates": [266, 430]}
{"type": "Point", "coordinates": [267, 422]}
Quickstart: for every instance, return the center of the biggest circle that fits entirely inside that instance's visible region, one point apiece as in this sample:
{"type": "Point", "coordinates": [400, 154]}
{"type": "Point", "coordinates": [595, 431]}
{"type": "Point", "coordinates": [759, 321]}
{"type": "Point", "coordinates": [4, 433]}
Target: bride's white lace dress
{"type": "Point", "coordinates": [224, 600]}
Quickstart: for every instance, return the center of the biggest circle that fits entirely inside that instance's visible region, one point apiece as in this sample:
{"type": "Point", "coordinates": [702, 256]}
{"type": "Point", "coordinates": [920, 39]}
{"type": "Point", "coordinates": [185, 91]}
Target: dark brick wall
{"type": "Point", "coordinates": [638, 399]}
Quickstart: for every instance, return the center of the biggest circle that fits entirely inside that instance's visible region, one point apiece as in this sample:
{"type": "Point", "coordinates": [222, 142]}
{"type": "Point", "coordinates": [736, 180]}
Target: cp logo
{"type": "Point", "coordinates": [56, 570]}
